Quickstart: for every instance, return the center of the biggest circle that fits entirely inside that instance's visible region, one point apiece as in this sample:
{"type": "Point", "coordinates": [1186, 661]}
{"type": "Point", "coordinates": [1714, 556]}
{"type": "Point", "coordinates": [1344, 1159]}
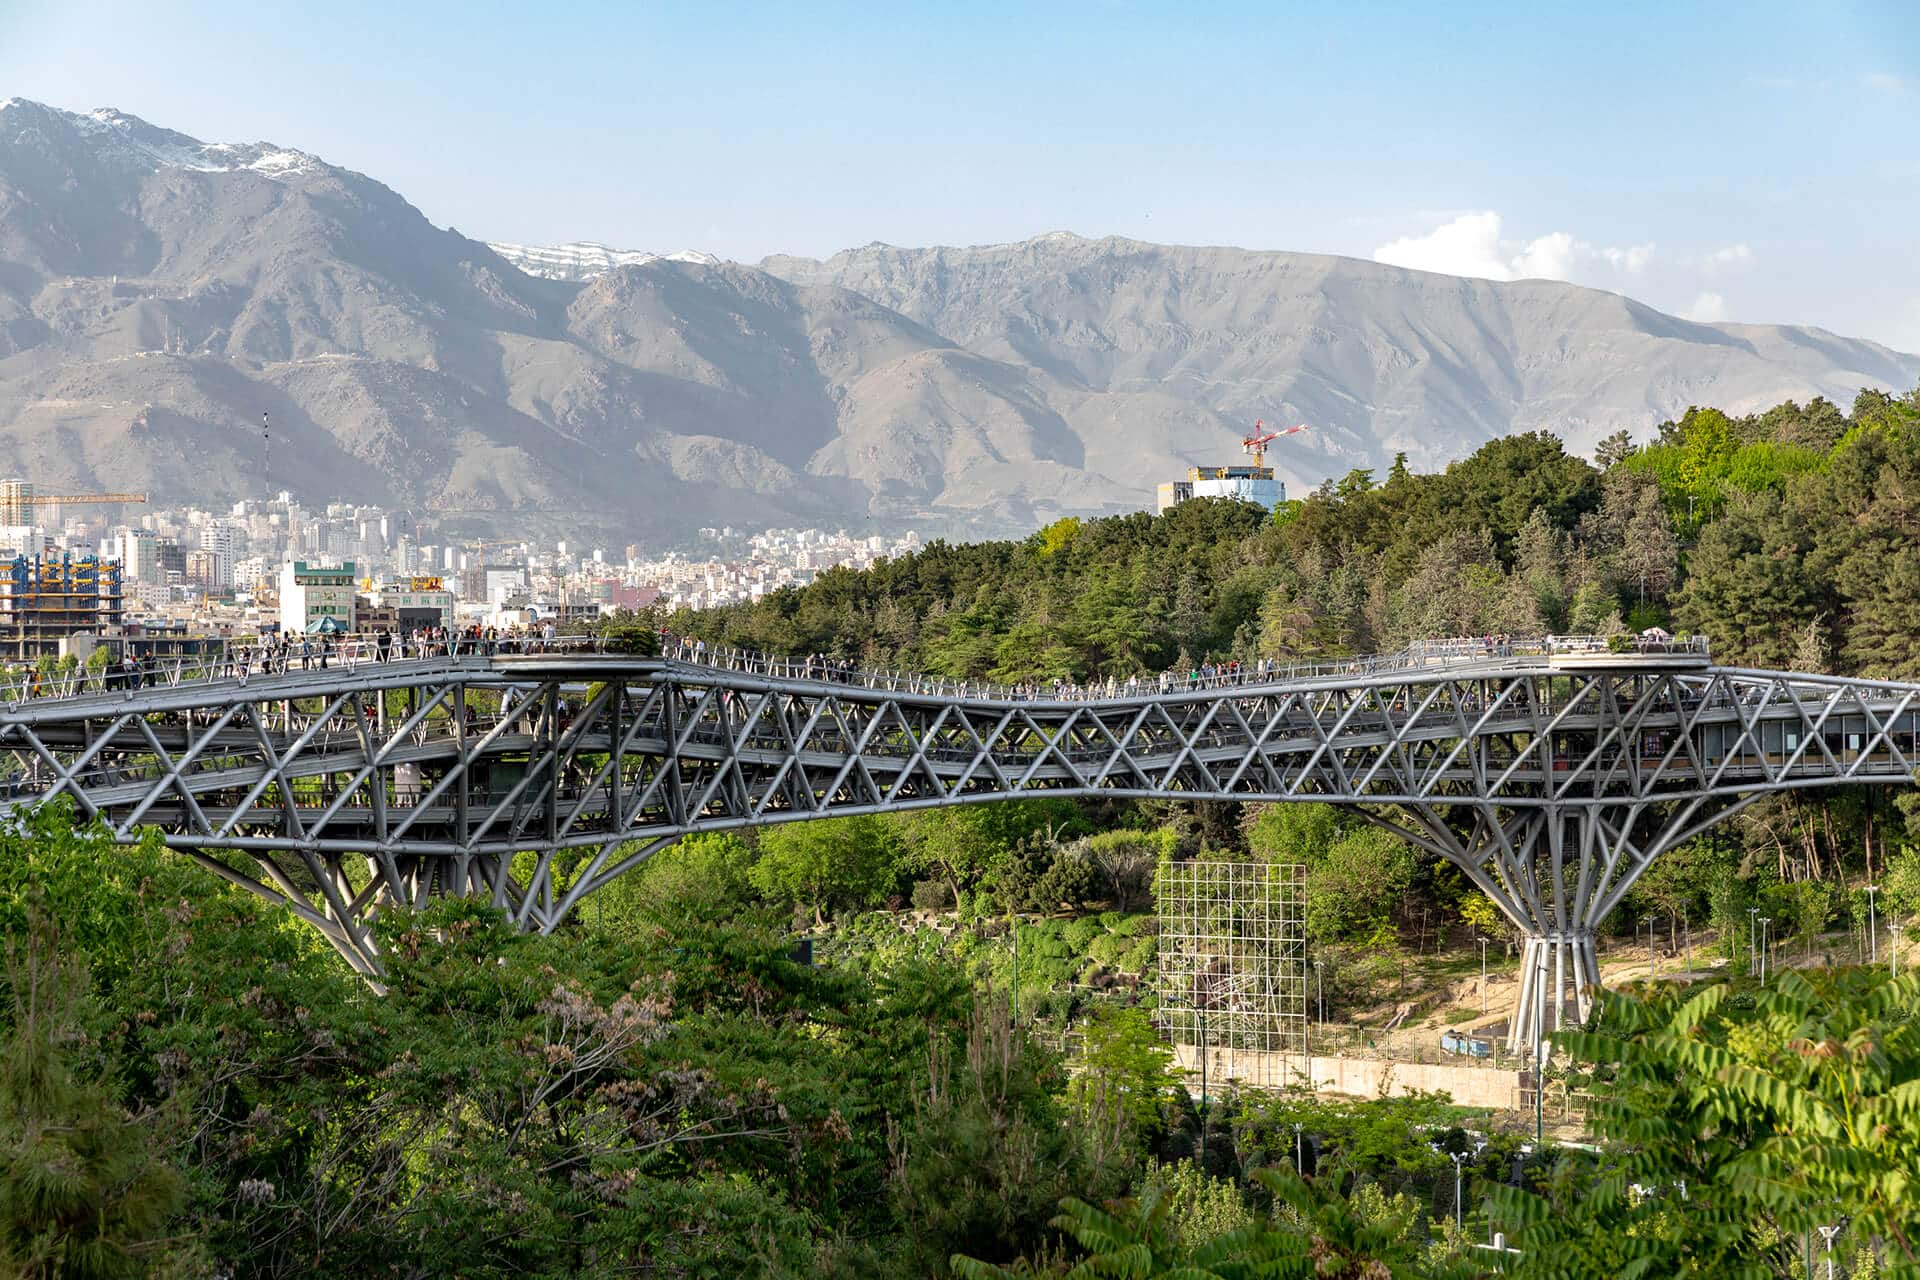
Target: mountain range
{"type": "Point", "coordinates": [158, 294]}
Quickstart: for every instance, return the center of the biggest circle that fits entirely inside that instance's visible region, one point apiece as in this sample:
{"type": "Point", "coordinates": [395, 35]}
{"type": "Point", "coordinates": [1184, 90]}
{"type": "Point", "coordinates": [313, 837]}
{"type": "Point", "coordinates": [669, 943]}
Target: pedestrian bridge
{"type": "Point", "coordinates": [1551, 771]}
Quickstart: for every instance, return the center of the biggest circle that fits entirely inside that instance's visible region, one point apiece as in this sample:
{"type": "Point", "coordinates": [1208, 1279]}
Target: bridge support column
{"type": "Point", "coordinates": [1556, 871]}
{"type": "Point", "coordinates": [1559, 978]}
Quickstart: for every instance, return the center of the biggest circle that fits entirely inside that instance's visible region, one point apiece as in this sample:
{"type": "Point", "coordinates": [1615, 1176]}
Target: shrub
{"type": "Point", "coordinates": [1140, 956]}
{"type": "Point", "coordinates": [1082, 934]}
{"type": "Point", "coordinates": [1108, 948]}
{"type": "Point", "coordinates": [932, 895]}
{"type": "Point", "coordinates": [1043, 941]}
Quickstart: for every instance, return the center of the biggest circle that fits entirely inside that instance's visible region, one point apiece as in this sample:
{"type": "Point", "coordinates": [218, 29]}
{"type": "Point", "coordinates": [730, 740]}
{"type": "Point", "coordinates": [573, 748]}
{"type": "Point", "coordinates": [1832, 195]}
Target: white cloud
{"type": "Point", "coordinates": [1888, 85]}
{"type": "Point", "coordinates": [1632, 260]}
{"type": "Point", "coordinates": [1470, 244]}
{"type": "Point", "coordinates": [1548, 258]}
{"type": "Point", "coordinates": [1729, 258]}
{"type": "Point", "coordinates": [1707, 308]}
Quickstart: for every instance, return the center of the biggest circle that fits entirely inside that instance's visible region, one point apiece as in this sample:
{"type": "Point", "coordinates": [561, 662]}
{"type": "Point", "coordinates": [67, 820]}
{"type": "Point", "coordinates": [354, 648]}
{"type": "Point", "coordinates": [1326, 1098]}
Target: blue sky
{"type": "Point", "coordinates": [1750, 162]}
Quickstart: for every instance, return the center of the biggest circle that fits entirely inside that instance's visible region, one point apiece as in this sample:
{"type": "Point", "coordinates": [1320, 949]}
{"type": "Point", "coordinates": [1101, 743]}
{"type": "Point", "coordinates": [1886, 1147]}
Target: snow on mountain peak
{"type": "Point", "coordinates": [585, 259]}
{"type": "Point", "coordinates": [116, 135]}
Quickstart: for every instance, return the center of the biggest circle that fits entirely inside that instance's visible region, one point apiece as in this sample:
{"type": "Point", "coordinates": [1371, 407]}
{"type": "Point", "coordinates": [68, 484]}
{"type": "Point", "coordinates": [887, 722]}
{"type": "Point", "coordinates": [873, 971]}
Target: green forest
{"type": "Point", "coordinates": [1790, 536]}
{"type": "Point", "coordinates": [924, 1044]}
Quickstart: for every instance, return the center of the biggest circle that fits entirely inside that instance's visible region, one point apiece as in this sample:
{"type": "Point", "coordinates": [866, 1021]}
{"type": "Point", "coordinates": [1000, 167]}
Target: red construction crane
{"type": "Point", "coordinates": [1256, 444]}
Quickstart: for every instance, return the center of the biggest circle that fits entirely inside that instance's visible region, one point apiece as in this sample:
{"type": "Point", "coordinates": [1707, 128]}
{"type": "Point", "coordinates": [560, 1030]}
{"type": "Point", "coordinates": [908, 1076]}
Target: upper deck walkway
{"type": "Point", "coordinates": [262, 669]}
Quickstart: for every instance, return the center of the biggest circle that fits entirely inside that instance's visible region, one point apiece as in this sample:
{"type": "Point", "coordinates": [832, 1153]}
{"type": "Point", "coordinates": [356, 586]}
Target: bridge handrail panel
{"type": "Point", "coordinates": [236, 663]}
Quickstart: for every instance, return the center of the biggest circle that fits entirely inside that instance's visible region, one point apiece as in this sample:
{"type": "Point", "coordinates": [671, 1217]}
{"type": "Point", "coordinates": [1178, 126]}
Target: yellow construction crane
{"type": "Point", "coordinates": [17, 500]}
{"type": "Point", "coordinates": [484, 545]}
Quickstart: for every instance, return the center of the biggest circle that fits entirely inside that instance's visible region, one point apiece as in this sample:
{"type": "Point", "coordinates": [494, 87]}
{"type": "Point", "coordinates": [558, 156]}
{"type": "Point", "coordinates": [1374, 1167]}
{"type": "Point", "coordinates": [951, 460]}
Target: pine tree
{"type": "Point", "coordinates": [1190, 615]}
{"type": "Point", "coordinates": [1614, 450]}
{"type": "Point", "coordinates": [1810, 655]}
{"type": "Point", "coordinates": [82, 1192]}
{"type": "Point", "coordinates": [1286, 625]}
{"type": "Point", "coordinates": [1649, 556]}
{"type": "Point", "coordinates": [1540, 564]}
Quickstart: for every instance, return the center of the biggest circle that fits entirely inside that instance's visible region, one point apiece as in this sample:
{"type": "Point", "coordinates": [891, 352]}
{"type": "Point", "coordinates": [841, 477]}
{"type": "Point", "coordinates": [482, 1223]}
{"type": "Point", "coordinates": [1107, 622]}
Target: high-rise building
{"type": "Point", "coordinates": [414, 602]}
{"type": "Point", "coordinates": [222, 538]}
{"type": "Point", "coordinates": [316, 597]}
{"type": "Point", "coordinates": [1249, 484]}
{"type": "Point", "coordinates": [140, 556]}
{"type": "Point", "coordinates": [203, 570]}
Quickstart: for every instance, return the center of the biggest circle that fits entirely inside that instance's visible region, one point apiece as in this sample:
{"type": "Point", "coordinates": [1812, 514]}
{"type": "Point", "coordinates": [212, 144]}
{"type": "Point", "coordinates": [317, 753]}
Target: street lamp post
{"type": "Point", "coordinates": [1459, 1205]}
{"type": "Point", "coordinates": [1483, 975]}
{"type": "Point", "coordinates": [1827, 1234]}
{"type": "Point", "coordinates": [1299, 1149]}
{"type": "Point", "coordinates": [1540, 1049]}
{"type": "Point", "coordinates": [1873, 951]}
{"type": "Point", "coordinates": [1753, 941]}
{"type": "Point", "coordinates": [1200, 1018]}
{"type": "Point", "coordinates": [1320, 986]}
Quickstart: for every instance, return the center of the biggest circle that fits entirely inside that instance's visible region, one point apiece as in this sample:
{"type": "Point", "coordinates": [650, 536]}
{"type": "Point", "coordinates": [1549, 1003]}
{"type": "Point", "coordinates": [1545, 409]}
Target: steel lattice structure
{"type": "Point", "coordinates": [1552, 780]}
{"type": "Point", "coordinates": [1233, 967]}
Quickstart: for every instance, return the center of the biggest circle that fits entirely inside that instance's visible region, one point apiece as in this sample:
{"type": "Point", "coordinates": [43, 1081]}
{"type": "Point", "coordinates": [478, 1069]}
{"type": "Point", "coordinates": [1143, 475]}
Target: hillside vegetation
{"type": "Point", "coordinates": [1789, 537]}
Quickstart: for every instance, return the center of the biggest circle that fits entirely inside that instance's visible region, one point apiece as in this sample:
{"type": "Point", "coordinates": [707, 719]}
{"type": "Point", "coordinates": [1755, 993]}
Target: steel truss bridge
{"type": "Point", "coordinates": [1552, 775]}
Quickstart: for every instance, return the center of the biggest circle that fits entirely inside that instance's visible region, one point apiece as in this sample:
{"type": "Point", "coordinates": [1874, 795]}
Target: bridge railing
{"type": "Point", "coordinates": [1445, 652]}
{"type": "Point", "coordinates": [240, 659]}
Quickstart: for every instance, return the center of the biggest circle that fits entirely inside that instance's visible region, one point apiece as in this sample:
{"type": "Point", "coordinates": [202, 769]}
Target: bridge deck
{"type": "Point", "coordinates": [1551, 772]}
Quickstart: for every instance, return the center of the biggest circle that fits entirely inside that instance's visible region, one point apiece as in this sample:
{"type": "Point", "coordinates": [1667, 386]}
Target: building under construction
{"type": "Point", "coordinates": [1255, 484]}
{"type": "Point", "coordinates": [1249, 484]}
{"type": "Point", "coordinates": [47, 600]}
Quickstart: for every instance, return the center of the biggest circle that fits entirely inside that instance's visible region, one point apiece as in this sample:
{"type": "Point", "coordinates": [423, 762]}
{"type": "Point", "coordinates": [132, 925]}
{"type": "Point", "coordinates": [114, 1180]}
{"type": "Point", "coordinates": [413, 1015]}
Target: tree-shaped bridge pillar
{"type": "Point", "coordinates": [1556, 871]}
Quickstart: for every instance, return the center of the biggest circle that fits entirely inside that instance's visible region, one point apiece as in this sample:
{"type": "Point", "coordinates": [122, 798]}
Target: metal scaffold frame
{"type": "Point", "coordinates": [1553, 779]}
{"type": "Point", "coordinates": [1233, 967]}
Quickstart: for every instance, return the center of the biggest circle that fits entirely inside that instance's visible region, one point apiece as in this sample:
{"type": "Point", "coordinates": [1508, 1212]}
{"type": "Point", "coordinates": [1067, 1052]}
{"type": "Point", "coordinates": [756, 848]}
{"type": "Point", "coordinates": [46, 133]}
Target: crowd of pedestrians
{"type": "Point", "coordinates": [820, 666]}
{"type": "Point", "coordinates": [284, 652]}
{"type": "Point", "coordinates": [274, 654]}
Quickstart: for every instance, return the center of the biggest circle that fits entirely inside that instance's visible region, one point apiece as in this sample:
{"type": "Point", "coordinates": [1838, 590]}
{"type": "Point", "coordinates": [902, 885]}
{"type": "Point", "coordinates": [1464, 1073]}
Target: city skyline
{"type": "Point", "coordinates": [229, 571]}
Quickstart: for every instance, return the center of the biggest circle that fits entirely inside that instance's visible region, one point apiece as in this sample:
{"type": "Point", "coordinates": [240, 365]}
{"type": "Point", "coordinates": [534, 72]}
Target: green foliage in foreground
{"type": "Point", "coordinates": [1740, 1123]}
{"type": "Point", "coordinates": [658, 1093]}
{"type": "Point", "coordinates": [1314, 1230]}
{"type": "Point", "coordinates": [662, 1093]}
{"type": "Point", "coordinates": [84, 1189]}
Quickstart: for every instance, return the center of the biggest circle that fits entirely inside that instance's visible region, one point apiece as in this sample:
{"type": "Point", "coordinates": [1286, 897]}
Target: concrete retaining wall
{"type": "Point", "coordinates": [1468, 1086]}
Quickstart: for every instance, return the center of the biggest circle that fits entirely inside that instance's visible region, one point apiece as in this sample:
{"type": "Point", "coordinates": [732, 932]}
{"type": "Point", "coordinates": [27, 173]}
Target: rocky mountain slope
{"type": "Point", "coordinates": [1378, 359]}
{"type": "Point", "coordinates": [157, 294]}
